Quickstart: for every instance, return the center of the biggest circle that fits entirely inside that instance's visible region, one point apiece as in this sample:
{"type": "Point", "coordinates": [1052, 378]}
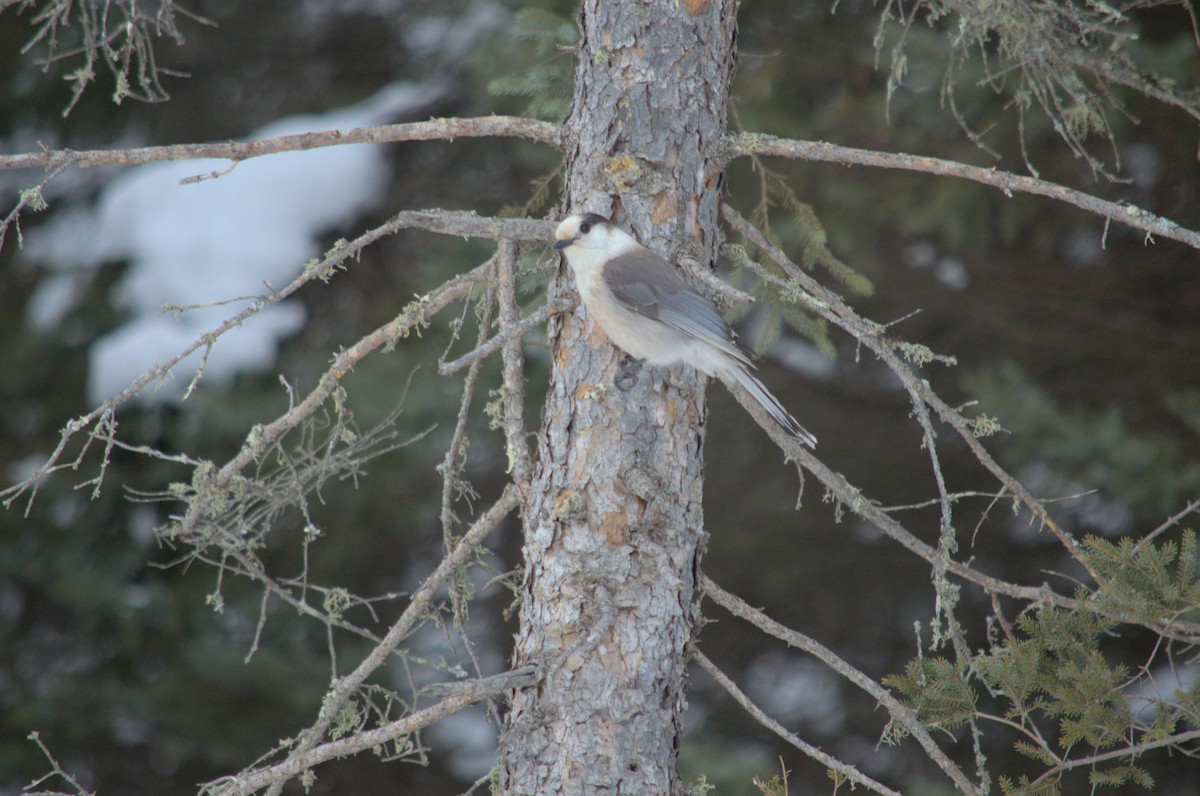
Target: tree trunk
{"type": "Point", "coordinates": [614, 526]}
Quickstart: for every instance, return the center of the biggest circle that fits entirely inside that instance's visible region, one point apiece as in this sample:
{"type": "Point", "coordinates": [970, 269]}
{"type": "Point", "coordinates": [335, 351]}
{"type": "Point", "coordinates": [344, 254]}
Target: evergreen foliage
{"type": "Point", "coordinates": [1151, 584]}
{"type": "Point", "coordinates": [1057, 677]}
{"type": "Point", "coordinates": [540, 72]}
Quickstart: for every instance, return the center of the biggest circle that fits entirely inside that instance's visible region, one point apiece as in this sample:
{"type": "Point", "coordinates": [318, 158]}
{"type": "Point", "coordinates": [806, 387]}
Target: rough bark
{"type": "Point", "coordinates": [614, 523]}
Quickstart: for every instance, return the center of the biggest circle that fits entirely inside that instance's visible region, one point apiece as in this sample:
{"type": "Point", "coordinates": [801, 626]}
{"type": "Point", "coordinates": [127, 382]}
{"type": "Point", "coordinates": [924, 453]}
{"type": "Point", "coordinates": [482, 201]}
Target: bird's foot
{"type": "Point", "coordinates": [627, 372]}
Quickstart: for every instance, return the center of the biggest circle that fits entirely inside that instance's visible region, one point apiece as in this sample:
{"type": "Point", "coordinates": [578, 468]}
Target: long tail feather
{"type": "Point", "coordinates": [769, 402]}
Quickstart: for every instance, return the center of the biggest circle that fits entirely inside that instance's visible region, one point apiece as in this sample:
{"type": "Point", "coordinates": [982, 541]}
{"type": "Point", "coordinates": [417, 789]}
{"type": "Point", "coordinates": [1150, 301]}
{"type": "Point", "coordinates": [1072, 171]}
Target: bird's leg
{"type": "Point", "coordinates": [627, 372]}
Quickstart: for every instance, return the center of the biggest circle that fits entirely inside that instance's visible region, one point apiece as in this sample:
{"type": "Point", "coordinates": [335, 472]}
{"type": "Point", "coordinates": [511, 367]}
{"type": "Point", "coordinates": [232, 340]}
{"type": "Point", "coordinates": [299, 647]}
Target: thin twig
{"type": "Point", "coordinates": [461, 695]}
{"type": "Point", "coordinates": [1170, 522]}
{"type": "Point", "coordinates": [451, 467]}
{"type": "Point", "coordinates": [261, 437]}
{"type": "Point", "coordinates": [848, 771]}
{"type": "Point", "coordinates": [56, 770]}
{"type": "Point", "coordinates": [516, 332]}
{"type": "Point", "coordinates": [417, 609]}
{"type": "Point", "coordinates": [831, 306]}
{"type": "Point", "coordinates": [902, 715]}
{"type": "Point", "coordinates": [31, 198]}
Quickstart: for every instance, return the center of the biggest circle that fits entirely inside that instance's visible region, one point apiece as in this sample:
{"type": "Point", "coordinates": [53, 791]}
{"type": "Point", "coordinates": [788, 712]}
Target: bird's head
{"type": "Point", "coordinates": [592, 232]}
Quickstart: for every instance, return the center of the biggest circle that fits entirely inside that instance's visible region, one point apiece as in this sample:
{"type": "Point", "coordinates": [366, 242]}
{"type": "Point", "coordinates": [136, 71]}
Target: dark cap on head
{"type": "Point", "coordinates": [576, 226]}
{"type": "Point", "coordinates": [592, 219]}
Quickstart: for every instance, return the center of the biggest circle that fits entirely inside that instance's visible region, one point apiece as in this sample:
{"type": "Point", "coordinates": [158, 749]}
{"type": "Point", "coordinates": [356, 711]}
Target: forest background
{"type": "Point", "coordinates": [1081, 337]}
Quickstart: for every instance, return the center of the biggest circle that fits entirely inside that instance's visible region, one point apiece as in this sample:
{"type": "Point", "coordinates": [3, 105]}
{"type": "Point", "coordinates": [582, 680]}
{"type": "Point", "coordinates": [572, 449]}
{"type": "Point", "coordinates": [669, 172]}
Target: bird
{"type": "Point", "coordinates": [648, 311]}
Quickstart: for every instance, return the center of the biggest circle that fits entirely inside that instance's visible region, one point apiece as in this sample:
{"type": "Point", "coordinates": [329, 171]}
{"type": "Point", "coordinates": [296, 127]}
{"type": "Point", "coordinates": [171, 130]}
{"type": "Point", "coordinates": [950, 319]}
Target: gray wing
{"type": "Point", "coordinates": [650, 286]}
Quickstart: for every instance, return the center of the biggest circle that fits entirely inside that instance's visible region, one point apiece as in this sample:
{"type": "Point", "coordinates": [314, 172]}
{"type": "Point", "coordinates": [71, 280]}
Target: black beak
{"type": "Point", "coordinates": [559, 245]}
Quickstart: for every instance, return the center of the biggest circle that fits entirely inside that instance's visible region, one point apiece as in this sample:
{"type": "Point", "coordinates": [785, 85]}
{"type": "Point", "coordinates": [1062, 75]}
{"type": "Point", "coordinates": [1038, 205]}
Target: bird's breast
{"type": "Point", "coordinates": [637, 335]}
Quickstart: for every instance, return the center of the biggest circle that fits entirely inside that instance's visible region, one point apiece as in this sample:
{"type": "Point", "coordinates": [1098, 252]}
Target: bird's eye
{"type": "Point", "coordinates": [585, 227]}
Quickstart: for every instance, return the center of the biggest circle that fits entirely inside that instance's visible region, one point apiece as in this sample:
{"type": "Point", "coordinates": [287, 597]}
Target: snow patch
{"type": "Point", "coordinates": [236, 236]}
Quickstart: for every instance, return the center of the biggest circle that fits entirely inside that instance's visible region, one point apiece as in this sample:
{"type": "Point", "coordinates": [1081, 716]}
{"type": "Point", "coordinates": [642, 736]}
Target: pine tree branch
{"type": "Point", "coordinates": [514, 332]}
{"type": "Point", "coordinates": [1120, 212]}
{"type": "Point", "coordinates": [417, 609]}
{"type": "Point", "coordinates": [513, 392]}
{"type": "Point", "coordinates": [460, 695]}
{"type": "Point", "coordinates": [902, 715]}
{"type": "Point", "coordinates": [858, 503]}
{"type": "Point", "coordinates": [1132, 752]}
{"type": "Point", "coordinates": [237, 151]}
{"type": "Point", "coordinates": [831, 306]}
{"type": "Point", "coordinates": [832, 763]}
{"type": "Point", "coordinates": [439, 221]}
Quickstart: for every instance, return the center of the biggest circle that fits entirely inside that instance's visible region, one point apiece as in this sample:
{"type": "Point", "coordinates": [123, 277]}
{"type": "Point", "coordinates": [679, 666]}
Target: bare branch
{"type": "Point", "coordinates": [439, 221]}
{"type": "Point", "coordinates": [417, 609]}
{"type": "Point", "coordinates": [469, 225]}
{"type": "Point", "coordinates": [460, 695]}
{"type": "Point", "coordinates": [900, 714]}
{"type": "Point", "coordinates": [535, 319]}
{"type": "Point", "coordinates": [454, 484]}
{"type": "Point", "coordinates": [848, 771]}
{"type": "Point", "coordinates": [851, 497]}
{"type": "Point", "coordinates": [415, 315]}
{"type": "Point", "coordinates": [832, 308]}
{"type": "Point", "coordinates": [513, 391]}
{"type": "Point", "coordinates": [237, 151]}
{"type": "Point", "coordinates": [319, 269]}
{"type": "Point", "coordinates": [1120, 212]}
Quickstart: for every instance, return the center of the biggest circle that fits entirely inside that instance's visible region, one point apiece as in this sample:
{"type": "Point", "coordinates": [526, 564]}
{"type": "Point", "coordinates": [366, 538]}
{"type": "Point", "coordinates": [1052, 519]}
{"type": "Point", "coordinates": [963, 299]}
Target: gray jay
{"type": "Point", "coordinates": [648, 311]}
